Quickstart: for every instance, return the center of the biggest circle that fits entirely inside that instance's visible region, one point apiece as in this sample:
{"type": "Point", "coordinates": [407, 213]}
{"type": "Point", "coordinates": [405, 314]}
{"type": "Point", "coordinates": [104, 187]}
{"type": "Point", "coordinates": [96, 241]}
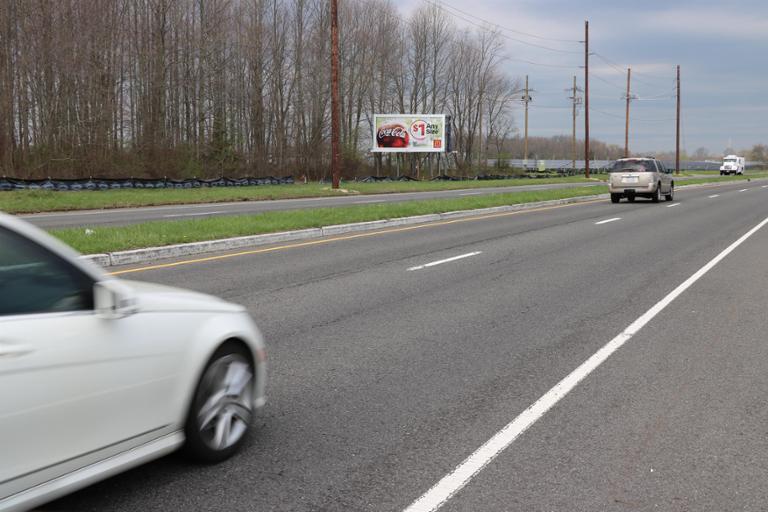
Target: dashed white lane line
{"type": "Point", "coordinates": [191, 214]}
{"type": "Point", "coordinates": [743, 190]}
{"type": "Point", "coordinates": [764, 186]}
{"type": "Point", "coordinates": [606, 221]}
{"type": "Point", "coordinates": [673, 204]}
{"type": "Point", "coordinates": [472, 465]}
{"type": "Point", "coordinates": [470, 193]}
{"type": "Point", "coordinates": [447, 260]}
{"type": "Point", "coordinates": [714, 196]}
{"type": "Point", "coordinates": [368, 202]}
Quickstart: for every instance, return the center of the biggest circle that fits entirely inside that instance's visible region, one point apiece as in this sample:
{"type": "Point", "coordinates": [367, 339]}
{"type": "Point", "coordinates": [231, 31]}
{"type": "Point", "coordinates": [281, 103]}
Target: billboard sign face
{"type": "Point", "coordinates": [409, 133]}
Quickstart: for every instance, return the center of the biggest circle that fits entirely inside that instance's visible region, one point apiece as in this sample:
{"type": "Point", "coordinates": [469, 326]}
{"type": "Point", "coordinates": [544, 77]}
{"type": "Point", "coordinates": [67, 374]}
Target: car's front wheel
{"type": "Point", "coordinates": [222, 407]}
{"type": "Point", "coordinates": [615, 198]}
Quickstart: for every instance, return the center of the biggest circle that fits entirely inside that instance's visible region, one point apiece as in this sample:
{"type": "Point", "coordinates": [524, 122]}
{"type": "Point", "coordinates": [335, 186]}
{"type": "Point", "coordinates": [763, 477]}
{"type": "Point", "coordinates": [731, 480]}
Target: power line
{"type": "Point", "coordinates": [594, 75]}
{"type": "Point", "coordinates": [611, 64]}
{"type": "Point", "coordinates": [618, 68]}
{"type": "Point", "coordinates": [558, 107]}
{"type": "Point", "coordinates": [562, 66]}
{"type": "Point", "coordinates": [521, 41]}
{"type": "Point", "coordinates": [440, 3]}
{"type": "Point", "coordinates": [634, 118]}
{"type": "Point", "coordinates": [406, 21]}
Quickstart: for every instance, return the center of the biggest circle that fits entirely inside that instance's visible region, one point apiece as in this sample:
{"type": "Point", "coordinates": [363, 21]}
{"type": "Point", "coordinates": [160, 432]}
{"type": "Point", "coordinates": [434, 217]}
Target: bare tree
{"type": "Point", "coordinates": [204, 87]}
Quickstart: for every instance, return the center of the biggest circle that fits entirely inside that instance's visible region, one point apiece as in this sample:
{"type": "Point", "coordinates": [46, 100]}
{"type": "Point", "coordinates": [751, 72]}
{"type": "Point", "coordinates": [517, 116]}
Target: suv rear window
{"type": "Point", "coordinates": [633, 166]}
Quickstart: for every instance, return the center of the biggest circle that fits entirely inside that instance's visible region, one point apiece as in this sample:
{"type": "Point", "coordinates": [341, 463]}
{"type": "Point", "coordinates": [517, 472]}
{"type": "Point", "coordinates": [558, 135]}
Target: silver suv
{"type": "Point", "coordinates": [640, 177]}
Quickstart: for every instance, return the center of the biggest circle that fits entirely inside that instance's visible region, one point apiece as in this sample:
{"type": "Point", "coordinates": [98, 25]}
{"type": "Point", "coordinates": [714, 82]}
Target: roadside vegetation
{"type": "Point", "coordinates": [34, 201]}
{"type": "Point", "coordinates": [159, 233]}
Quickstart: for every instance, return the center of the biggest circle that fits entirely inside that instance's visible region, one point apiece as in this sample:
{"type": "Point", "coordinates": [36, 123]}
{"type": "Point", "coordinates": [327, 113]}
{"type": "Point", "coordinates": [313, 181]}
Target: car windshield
{"type": "Point", "coordinates": [633, 166]}
{"type": "Point", "coordinates": [730, 160]}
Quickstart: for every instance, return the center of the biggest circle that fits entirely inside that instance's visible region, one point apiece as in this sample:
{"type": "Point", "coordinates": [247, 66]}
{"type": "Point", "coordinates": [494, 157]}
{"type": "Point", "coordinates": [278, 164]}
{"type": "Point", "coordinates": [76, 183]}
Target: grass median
{"type": "Point", "coordinates": [35, 201]}
{"type": "Point", "coordinates": [154, 234]}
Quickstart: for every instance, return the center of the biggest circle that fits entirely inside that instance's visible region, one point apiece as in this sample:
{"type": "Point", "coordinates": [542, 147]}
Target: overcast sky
{"type": "Point", "coordinates": [722, 48]}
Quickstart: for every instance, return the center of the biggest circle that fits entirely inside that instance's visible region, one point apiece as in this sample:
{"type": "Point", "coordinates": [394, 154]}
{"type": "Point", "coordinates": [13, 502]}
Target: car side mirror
{"type": "Point", "coordinates": [113, 299]}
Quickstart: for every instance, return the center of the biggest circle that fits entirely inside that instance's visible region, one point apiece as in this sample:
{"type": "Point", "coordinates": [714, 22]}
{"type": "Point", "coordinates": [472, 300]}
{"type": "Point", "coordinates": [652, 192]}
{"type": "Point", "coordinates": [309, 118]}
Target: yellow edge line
{"type": "Point", "coordinates": [340, 238]}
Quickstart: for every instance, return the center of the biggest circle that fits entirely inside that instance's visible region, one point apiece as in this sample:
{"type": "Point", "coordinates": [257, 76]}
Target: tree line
{"type": "Point", "coordinates": [238, 87]}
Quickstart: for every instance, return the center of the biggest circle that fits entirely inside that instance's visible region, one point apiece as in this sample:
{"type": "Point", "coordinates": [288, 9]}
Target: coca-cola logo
{"type": "Point", "coordinates": [392, 136]}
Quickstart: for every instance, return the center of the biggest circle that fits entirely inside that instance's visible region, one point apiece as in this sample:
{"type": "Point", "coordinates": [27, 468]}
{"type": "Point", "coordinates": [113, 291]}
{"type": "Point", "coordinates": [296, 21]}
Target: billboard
{"type": "Point", "coordinates": [409, 133]}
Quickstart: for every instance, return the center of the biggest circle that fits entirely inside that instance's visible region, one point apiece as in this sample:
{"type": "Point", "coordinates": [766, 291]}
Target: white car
{"type": "Point", "coordinates": [98, 375]}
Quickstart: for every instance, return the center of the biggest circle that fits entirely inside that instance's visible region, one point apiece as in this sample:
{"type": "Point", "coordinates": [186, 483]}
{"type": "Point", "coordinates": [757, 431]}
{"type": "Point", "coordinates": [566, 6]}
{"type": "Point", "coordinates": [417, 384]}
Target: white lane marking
{"type": "Point", "coordinates": [606, 221]}
{"type": "Point", "coordinates": [743, 190]}
{"type": "Point", "coordinates": [472, 465]}
{"type": "Point", "coordinates": [673, 204]}
{"type": "Point", "coordinates": [447, 260]}
{"type": "Point", "coordinates": [368, 202]}
{"type": "Point", "coordinates": [470, 193]}
{"type": "Point", "coordinates": [764, 186]}
{"type": "Point", "coordinates": [192, 214]}
{"type": "Point", "coordinates": [714, 196]}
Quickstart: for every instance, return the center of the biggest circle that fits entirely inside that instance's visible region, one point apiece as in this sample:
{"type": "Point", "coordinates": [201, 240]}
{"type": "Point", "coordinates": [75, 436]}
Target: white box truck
{"type": "Point", "coordinates": [732, 164]}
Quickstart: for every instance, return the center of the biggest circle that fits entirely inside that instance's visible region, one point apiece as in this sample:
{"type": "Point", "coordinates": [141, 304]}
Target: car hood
{"type": "Point", "coordinates": [157, 297]}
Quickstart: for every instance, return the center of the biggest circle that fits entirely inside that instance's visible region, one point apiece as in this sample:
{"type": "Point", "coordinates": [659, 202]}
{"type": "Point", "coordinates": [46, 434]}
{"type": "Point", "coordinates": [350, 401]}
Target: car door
{"type": "Point", "coordinates": [666, 178]}
{"type": "Point", "coordinates": [74, 387]}
{"type": "Point", "coordinates": [670, 178]}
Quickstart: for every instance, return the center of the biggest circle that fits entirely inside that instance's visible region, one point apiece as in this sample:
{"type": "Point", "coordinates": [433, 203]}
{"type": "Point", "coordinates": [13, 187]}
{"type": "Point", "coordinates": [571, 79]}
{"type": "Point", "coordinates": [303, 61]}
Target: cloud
{"type": "Point", "coordinates": [709, 22]}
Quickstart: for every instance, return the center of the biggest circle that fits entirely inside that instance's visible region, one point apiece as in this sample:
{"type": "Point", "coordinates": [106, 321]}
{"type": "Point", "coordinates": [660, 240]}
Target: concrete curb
{"type": "Point", "coordinates": [151, 254]}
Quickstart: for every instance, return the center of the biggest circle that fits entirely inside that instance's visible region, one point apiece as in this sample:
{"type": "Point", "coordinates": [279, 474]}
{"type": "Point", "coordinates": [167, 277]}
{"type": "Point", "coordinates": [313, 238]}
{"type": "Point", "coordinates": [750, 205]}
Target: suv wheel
{"type": "Point", "coordinates": [655, 196]}
{"type": "Point", "coordinates": [671, 195]}
{"type": "Point", "coordinates": [615, 198]}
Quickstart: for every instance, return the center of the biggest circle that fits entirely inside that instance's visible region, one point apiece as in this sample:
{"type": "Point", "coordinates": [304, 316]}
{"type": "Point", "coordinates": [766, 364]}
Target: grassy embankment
{"type": "Point", "coordinates": [152, 234]}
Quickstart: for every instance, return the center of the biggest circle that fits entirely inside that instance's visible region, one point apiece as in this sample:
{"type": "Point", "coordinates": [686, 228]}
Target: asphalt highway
{"type": "Point", "coordinates": [394, 356]}
{"type": "Point", "coordinates": [125, 216]}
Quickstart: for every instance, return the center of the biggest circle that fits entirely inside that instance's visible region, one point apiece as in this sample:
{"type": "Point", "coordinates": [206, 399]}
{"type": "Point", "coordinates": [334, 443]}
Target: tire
{"type": "Point", "coordinates": [631, 198]}
{"type": "Point", "coordinates": [220, 415]}
{"type": "Point", "coordinates": [655, 196]}
{"type": "Point", "coordinates": [615, 198]}
{"type": "Point", "coordinates": [671, 195]}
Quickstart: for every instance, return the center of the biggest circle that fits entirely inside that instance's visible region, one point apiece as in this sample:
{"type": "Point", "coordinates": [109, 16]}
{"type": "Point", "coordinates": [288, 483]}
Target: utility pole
{"type": "Point", "coordinates": [626, 127]}
{"type": "Point", "coordinates": [677, 132]}
{"type": "Point", "coordinates": [586, 99]}
{"type": "Point", "coordinates": [575, 102]}
{"type": "Point", "coordinates": [335, 114]}
{"type": "Point", "coordinates": [526, 99]}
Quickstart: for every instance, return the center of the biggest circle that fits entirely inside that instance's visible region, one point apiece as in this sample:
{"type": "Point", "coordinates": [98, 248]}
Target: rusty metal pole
{"type": "Point", "coordinates": [626, 127]}
{"type": "Point", "coordinates": [586, 99]}
{"type": "Point", "coordinates": [677, 132]}
{"type": "Point", "coordinates": [526, 99]}
{"type": "Point", "coordinates": [335, 114]}
{"type": "Point", "coordinates": [573, 131]}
